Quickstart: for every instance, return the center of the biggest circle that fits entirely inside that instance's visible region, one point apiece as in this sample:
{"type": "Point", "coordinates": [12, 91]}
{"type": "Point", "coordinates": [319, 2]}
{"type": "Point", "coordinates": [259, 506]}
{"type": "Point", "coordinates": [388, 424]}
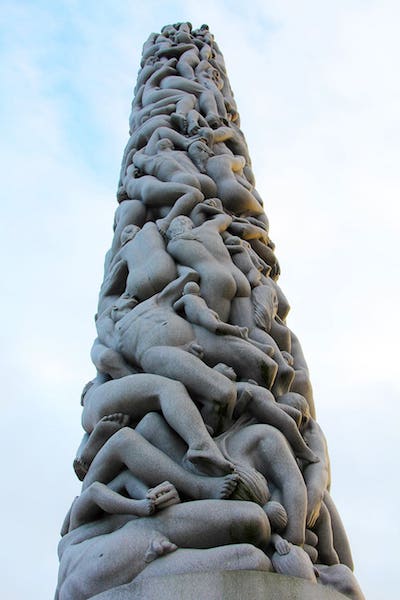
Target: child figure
{"type": "Point", "coordinates": [198, 313]}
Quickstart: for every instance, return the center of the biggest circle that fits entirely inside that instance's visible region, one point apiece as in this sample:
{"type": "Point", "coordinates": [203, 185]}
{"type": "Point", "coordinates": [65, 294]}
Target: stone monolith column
{"type": "Point", "coordinates": [204, 471]}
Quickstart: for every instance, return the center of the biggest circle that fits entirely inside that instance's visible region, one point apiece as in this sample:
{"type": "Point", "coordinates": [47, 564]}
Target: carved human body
{"type": "Point", "coordinates": [261, 447]}
{"type": "Point", "coordinates": [202, 248]}
{"type": "Point", "coordinates": [136, 395]}
{"type": "Point", "coordinates": [172, 165]}
{"type": "Point", "coordinates": [181, 197]}
{"type": "Point", "coordinates": [152, 328]}
{"type": "Point", "coordinates": [201, 445]}
{"type": "Point", "coordinates": [113, 551]}
{"type": "Point", "coordinates": [142, 267]}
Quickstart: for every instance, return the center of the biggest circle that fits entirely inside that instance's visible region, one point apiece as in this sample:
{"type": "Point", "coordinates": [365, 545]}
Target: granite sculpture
{"type": "Point", "coordinates": [201, 448]}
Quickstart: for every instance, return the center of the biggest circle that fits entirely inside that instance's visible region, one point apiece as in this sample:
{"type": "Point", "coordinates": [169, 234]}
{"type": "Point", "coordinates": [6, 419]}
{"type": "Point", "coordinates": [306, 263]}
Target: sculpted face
{"type": "Point", "coordinates": [191, 288]}
{"type": "Point", "coordinates": [164, 144]}
{"type": "Point", "coordinates": [233, 240]}
{"type": "Point", "coordinates": [128, 233]}
{"type": "Point", "coordinates": [178, 226]}
{"type": "Point", "coordinates": [85, 391]}
{"type": "Point", "coordinates": [215, 203]}
{"type": "Point", "coordinates": [199, 151]}
{"type": "Point", "coordinates": [226, 370]}
{"type": "Point", "coordinates": [298, 402]}
{"type": "Point", "coordinates": [125, 304]}
{"type": "Point", "coordinates": [168, 30]}
{"type": "Point", "coordinates": [217, 79]}
{"type": "Point", "coordinates": [272, 303]}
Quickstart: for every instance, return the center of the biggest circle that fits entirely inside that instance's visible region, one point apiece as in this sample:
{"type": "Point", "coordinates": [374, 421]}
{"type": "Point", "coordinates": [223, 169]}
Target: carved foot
{"type": "Point", "coordinates": [213, 120]}
{"type": "Point", "coordinates": [283, 380]}
{"type": "Point", "coordinates": [206, 460]}
{"type": "Point", "coordinates": [218, 488]}
{"type": "Point", "coordinates": [104, 429]}
{"type": "Point", "coordinates": [180, 122]}
{"type": "Point", "coordinates": [308, 455]}
{"type": "Point", "coordinates": [163, 495]}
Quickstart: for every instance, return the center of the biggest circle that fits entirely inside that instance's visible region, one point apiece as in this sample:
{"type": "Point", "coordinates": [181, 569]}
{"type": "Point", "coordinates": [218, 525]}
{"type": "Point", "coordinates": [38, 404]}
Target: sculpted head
{"type": "Point", "coordinates": [122, 306]}
{"type": "Point", "coordinates": [277, 515]}
{"type": "Point", "coordinates": [199, 152]}
{"type": "Point", "coordinates": [216, 77]}
{"type": "Point", "coordinates": [85, 391]}
{"type": "Point", "coordinates": [192, 288]}
{"type": "Point", "coordinates": [271, 300]}
{"type": "Point", "coordinates": [206, 135]}
{"type": "Point", "coordinates": [178, 226]}
{"type": "Point", "coordinates": [226, 370]}
{"type": "Point", "coordinates": [233, 240]}
{"type": "Point", "coordinates": [168, 30]}
{"type": "Point", "coordinates": [297, 401]}
{"type": "Point", "coordinates": [183, 34]}
{"type": "Point", "coordinates": [128, 233]}
{"type": "Point", "coordinates": [164, 144]}
{"type": "Point", "coordinates": [184, 26]}
{"type": "Point", "coordinates": [214, 203]}
{"type": "Point", "coordinates": [252, 486]}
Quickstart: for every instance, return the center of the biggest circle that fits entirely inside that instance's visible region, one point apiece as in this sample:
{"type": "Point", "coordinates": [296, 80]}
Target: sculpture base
{"type": "Point", "coordinates": [223, 585]}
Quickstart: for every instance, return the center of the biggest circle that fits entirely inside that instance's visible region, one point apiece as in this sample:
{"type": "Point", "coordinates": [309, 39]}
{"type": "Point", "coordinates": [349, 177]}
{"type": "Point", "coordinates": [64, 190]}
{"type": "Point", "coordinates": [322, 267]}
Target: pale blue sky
{"type": "Point", "coordinates": [317, 88]}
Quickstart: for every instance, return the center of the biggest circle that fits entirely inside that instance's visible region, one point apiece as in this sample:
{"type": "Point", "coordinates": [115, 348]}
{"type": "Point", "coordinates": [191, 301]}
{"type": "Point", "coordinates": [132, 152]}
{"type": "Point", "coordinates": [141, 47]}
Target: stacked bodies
{"type": "Point", "coordinates": [201, 447]}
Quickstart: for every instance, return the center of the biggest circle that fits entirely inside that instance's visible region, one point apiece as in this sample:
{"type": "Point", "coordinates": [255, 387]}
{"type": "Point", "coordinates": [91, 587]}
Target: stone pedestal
{"type": "Point", "coordinates": [224, 585]}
